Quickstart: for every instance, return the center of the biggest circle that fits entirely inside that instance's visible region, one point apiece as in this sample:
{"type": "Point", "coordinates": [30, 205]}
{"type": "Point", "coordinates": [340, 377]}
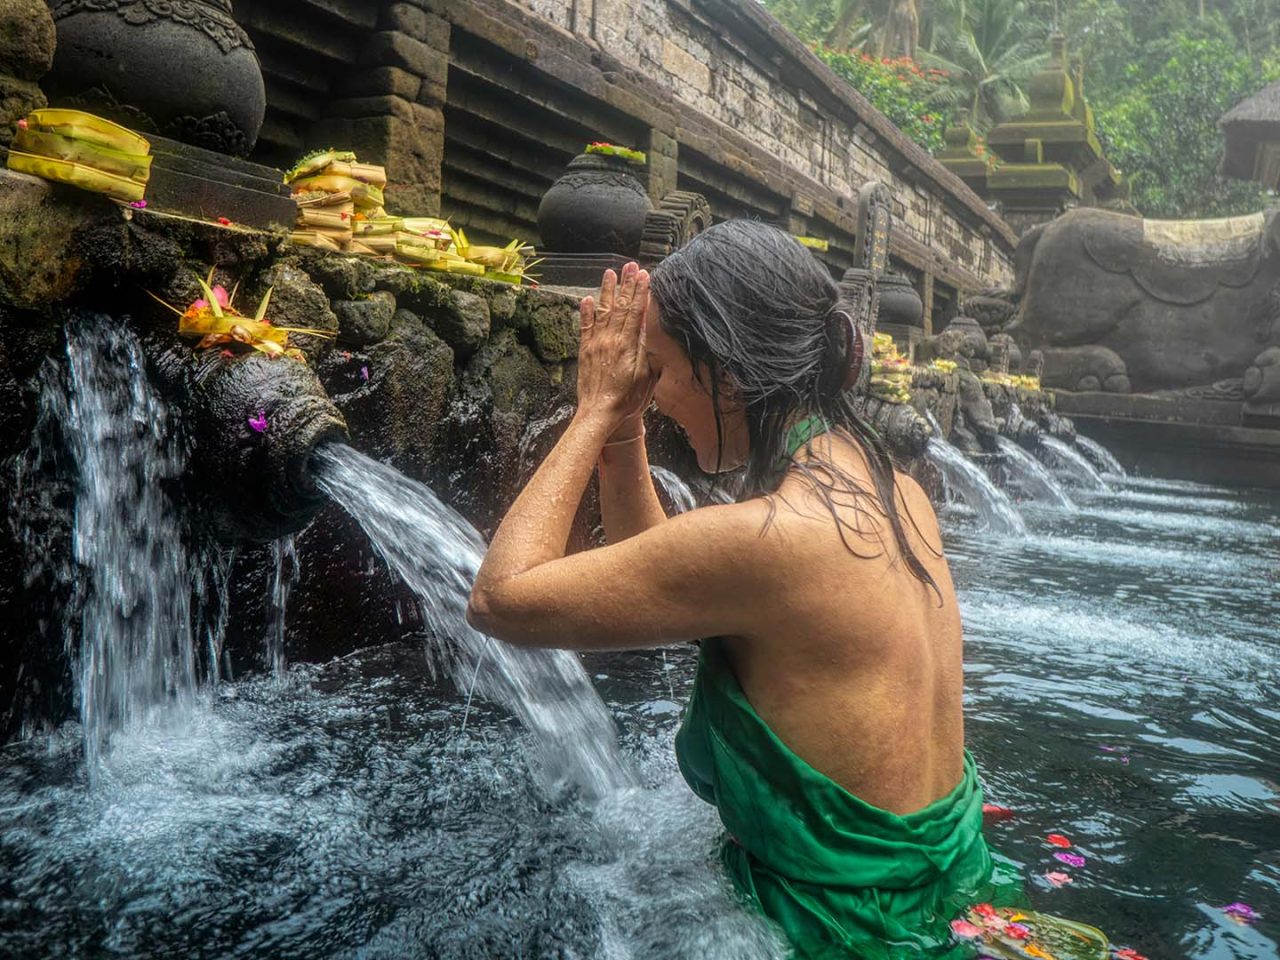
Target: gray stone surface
{"type": "Point", "coordinates": [365, 321]}
{"type": "Point", "coordinates": [27, 38]}
{"type": "Point", "coordinates": [463, 323]}
{"type": "Point", "coordinates": [17, 99]}
{"type": "Point", "coordinates": [298, 302]}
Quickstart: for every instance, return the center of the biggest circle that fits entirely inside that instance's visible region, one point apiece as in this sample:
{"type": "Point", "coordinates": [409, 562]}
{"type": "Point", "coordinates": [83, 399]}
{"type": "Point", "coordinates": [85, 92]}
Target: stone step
{"type": "Point", "coordinates": [199, 183]}
{"type": "Point", "coordinates": [195, 161]}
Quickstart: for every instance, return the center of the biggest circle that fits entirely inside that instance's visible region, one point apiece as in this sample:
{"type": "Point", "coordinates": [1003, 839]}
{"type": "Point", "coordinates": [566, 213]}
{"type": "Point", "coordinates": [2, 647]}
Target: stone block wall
{"type": "Point", "coordinates": [477, 106]}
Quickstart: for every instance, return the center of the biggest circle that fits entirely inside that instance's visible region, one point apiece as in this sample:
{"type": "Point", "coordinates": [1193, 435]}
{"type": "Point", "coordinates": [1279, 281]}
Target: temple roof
{"type": "Point", "coordinates": [1252, 132]}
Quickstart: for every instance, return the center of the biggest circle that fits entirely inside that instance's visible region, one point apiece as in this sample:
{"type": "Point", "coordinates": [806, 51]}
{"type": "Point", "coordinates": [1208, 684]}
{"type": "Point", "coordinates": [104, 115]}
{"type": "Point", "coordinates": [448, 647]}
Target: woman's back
{"type": "Point", "coordinates": [860, 673]}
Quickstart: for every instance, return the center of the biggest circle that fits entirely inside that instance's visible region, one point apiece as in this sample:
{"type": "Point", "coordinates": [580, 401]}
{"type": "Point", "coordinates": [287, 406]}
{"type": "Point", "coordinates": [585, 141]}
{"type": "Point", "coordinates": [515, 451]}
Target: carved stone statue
{"type": "Point", "coordinates": [1122, 304]}
{"type": "Point", "coordinates": [962, 341]}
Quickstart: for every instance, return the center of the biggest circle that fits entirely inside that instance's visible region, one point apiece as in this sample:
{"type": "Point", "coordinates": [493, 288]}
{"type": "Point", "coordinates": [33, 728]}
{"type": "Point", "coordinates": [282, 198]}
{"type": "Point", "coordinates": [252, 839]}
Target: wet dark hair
{"type": "Point", "coordinates": [746, 300]}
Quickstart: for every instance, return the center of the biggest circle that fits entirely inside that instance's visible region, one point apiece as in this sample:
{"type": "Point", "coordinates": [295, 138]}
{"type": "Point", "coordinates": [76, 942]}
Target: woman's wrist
{"type": "Point", "coordinates": [632, 428]}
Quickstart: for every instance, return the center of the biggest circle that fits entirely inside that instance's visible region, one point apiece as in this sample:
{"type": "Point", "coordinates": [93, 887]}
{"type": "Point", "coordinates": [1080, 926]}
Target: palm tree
{"type": "Point", "coordinates": [989, 50]}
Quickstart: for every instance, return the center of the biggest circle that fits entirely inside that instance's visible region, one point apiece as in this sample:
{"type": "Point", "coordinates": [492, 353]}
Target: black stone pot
{"type": "Point", "coordinates": [899, 302]}
{"type": "Point", "coordinates": [597, 206]}
{"type": "Point", "coordinates": [180, 68]}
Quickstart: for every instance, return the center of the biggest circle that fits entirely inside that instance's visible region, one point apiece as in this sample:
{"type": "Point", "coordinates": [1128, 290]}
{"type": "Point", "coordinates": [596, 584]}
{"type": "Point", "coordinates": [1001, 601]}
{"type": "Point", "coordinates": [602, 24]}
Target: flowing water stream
{"type": "Point", "coordinates": [437, 554]}
{"type": "Point", "coordinates": [1122, 669]}
{"type": "Point", "coordinates": [1030, 474]}
{"type": "Point", "coordinates": [965, 479]}
{"type": "Point", "coordinates": [131, 630]}
{"type": "Point", "coordinates": [1073, 464]}
{"type": "Point", "coordinates": [1102, 458]}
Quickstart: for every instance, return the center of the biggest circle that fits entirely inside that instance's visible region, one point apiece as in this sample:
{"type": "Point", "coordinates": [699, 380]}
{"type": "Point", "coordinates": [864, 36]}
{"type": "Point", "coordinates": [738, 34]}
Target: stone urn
{"type": "Point", "coordinates": [181, 68]}
{"type": "Point", "coordinates": [899, 302]}
{"type": "Point", "coordinates": [598, 205]}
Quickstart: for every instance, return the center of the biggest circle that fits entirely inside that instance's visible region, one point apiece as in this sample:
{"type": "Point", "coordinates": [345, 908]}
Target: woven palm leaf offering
{"type": "Point", "coordinates": [890, 372]}
{"type": "Point", "coordinates": [508, 264]}
{"type": "Point", "coordinates": [84, 150]}
{"type": "Point", "coordinates": [218, 323]}
{"type": "Point", "coordinates": [332, 189]}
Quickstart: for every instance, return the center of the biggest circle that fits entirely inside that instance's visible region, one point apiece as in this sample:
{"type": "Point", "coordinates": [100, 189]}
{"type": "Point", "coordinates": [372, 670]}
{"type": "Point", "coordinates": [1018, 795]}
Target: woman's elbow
{"type": "Point", "coordinates": [485, 613]}
{"type": "Point", "coordinates": [480, 612]}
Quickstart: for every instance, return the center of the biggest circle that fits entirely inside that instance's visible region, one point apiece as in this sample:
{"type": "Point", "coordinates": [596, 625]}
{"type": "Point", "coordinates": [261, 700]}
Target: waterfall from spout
{"type": "Point", "coordinates": [437, 554]}
{"type": "Point", "coordinates": [1032, 476]}
{"type": "Point", "coordinates": [1101, 456]}
{"type": "Point", "coordinates": [677, 490]}
{"type": "Point", "coordinates": [131, 627]}
{"type": "Point", "coordinates": [284, 553]}
{"type": "Point", "coordinates": [1074, 465]}
{"type": "Point", "coordinates": [966, 480]}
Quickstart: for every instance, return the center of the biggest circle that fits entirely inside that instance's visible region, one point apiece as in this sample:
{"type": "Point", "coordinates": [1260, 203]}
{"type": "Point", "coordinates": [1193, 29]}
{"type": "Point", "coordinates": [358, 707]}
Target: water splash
{"type": "Point", "coordinates": [284, 553]}
{"type": "Point", "coordinates": [1074, 465]}
{"type": "Point", "coordinates": [1101, 456]}
{"type": "Point", "coordinates": [131, 609]}
{"type": "Point", "coordinates": [677, 491]}
{"type": "Point", "coordinates": [437, 554]}
{"type": "Point", "coordinates": [536, 429]}
{"type": "Point", "coordinates": [1032, 476]}
{"type": "Point", "coordinates": [966, 480]}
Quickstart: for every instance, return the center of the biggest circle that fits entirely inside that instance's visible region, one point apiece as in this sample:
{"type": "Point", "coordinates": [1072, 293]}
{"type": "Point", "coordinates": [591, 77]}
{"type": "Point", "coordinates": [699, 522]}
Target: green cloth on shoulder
{"type": "Point", "coordinates": [841, 877]}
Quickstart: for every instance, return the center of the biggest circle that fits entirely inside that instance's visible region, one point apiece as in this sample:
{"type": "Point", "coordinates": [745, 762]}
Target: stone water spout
{"type": "Point", "coordinates": [254, 423]}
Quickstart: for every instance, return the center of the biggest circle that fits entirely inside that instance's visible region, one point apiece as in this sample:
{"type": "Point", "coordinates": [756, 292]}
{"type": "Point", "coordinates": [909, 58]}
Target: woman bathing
{"type": "Point", "coordinates": [826, 721]}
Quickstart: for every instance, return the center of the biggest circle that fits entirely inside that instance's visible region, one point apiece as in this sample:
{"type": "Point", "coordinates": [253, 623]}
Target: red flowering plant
{"type": "Point", "coordinates": [898, 87]}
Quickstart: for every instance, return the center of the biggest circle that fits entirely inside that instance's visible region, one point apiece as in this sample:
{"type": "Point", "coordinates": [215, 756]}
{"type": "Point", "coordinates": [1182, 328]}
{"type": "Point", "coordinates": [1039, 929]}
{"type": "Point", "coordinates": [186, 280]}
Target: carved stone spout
{"type": "Point", "coordinates": [254, 423]}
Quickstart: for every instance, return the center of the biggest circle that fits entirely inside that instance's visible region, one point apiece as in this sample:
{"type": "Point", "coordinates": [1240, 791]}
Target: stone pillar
{"type": "Point", "coordinates": [27, 39]}
{"type": "Point", "coordinates": [663, 152]}
{"type": "Point", "coordinates": [926, 298]}
{"type": "Point", "coordinates": [390, 106]}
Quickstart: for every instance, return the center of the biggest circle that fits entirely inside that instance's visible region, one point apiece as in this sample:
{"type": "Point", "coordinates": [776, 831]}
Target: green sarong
{"type": "Point", "coordinates": [841, 877]}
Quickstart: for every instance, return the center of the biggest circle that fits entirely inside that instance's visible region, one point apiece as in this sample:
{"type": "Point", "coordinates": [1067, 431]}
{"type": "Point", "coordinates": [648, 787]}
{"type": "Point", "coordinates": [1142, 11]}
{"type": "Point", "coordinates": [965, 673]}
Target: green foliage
{"type": "Point", "coordinates": [900, 89]}
{"type": "Point", "coordinates": [1161, 130]}
{"type": "Point", "coordinates": [1158, 74]}
{"type": "Point", "coordinates": [988, 49]}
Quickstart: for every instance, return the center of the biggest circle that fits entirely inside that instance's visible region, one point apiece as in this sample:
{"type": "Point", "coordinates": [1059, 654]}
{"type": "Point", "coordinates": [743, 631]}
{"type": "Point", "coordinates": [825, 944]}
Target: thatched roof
{"type": "Point", "coordinates": [1252, 132]}
{"type": "Point", "coordinates": [1262, 107]}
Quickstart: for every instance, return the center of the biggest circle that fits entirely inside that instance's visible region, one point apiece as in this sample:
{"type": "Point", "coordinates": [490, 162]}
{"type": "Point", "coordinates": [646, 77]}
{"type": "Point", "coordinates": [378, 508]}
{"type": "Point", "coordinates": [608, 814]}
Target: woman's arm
{"type": "Point", "coordinates": [628, 502]}
{"type": "Point", "coordinates": [676, 581]}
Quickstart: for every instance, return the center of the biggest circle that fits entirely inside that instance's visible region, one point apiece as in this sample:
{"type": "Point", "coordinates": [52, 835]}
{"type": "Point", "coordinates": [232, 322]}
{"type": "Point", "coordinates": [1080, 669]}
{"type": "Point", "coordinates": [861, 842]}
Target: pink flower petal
{"type": "Point", "coordinates": [993, 812]}
{"type": "Point", "coordinates": [1058, 840]}
{"type": "Point", "coordinates": [220, 294]}
{"type": "Point", "coordinates": [1070, 859]}
{"type": "Point", "coordinates": [1241, 912]}
{"type": "Point", "coordinates": [965, 929]}
{"type": "Point", "coordinates": [259, 423]}
{"type": "Point", "coordinates": [364, 373]}
{"type": "Point", "coordinates": [1058, 879]}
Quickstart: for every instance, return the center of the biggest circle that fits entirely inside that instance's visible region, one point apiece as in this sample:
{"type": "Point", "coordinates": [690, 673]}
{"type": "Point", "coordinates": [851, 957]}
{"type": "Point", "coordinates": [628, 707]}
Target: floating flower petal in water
{"type": "Point", "coordinates": [1058, 840]}
{"type": "Point", "coordinates": [965, 929]}
{"type": "Point", "coordinates": [994, 812]}
{"type": "Point", "coordinates": [1070, 859]}
{"type": "Point", "coordinates": [1058, 879]}
{"type": "Point", "coordinates": [1241, 912]}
